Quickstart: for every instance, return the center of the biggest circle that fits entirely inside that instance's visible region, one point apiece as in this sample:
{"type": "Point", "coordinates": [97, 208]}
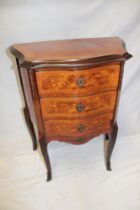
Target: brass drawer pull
{"type": "Point", "coordinates": [80, 139]}
{"type": "Point", "coordinates": [80, 107]}
{"type": "Point", "coordinates": [81, 128]}
{"type": "Point", "coordinates": [80, 82]}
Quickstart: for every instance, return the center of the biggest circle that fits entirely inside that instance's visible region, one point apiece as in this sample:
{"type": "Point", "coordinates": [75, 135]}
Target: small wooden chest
{"type": "Point", "coordinates": [71, 90]}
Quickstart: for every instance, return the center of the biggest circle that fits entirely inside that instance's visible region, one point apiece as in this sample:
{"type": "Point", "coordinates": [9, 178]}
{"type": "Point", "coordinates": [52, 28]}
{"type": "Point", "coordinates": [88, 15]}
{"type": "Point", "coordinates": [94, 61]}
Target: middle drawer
{"type": "Point", "coordinates": [78, 107]}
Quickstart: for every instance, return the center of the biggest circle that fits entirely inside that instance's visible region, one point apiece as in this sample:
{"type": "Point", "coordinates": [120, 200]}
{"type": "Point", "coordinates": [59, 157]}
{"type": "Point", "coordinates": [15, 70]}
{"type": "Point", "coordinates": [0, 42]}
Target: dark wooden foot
{"type": "Point", "coordinates": [109, 143]}
{"type": "Point", "coordinates": [30, 127]}
{"type": "Point", "coordinates": [106, 136]}
{"type": "Point", "coordinates": [44, 149]}
{"type": "Point", "coordinates": [108, 166]}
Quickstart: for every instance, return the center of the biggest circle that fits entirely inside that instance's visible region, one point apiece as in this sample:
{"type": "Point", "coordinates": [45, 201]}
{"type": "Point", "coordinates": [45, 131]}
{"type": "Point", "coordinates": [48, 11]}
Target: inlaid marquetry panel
{"type": "Point", "coordinates": [78, 107]}
{"type": "Point", "coordinates": [79, 82]}
{"type": "Point", "coordinates": [77, 127]}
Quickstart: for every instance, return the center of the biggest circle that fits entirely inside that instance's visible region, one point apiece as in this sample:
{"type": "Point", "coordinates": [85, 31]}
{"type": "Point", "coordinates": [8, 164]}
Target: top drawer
{"type": "Point", "coordinates": [65, 82]}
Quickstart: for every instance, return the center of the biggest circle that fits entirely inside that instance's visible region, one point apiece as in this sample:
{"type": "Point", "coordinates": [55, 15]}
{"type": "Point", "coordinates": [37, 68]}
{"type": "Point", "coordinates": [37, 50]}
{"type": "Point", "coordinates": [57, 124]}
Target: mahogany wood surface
{"type": "Point", "coordinates": [44, 150]}
{"type": "Point", "coordinates": [28, 110]}
{"type": "Point", "coordinates": [67, 107]}
{"type": "Point", "coordinates": [71, 50]}
{"type": "Point", "coordinates": [71, 90]}
{"type": "Point", "coordinates": [67, 83]}
{"type": "Point", "coordinates": [109, 144]}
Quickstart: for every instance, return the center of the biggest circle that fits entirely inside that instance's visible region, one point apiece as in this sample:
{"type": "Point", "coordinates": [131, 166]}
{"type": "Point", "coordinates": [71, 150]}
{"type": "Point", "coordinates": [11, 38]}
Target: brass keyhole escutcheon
{"type": "Point", "coordinates": [80, 82]}
{"type": "Point", "coordinates": [81, 128]}
{"type": "Point", "coordinates": [80, 107]}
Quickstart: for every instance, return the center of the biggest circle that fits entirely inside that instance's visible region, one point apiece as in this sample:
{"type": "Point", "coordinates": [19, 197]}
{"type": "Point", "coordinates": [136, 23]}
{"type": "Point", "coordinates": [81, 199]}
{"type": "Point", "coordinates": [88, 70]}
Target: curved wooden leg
{"type": "Point", "coordinates": [44, 149]}
{"type": "Point", "coordinates": [30, 127]}
{"type": "Point", "coordinates": [109, 143]}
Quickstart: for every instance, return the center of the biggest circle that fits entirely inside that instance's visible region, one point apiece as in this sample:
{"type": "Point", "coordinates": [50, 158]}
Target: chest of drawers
{"type": "Point", "coordinates": [71, 90]}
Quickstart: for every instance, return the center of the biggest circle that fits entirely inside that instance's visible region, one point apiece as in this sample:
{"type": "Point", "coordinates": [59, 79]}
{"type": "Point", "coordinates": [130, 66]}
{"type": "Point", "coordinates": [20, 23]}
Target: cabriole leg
{"type": "Point", "coordinates": [30, 127]}
{"type": "Point", "coordinates": [44, 149]}
{"type": "Point", "coordinates": [109, 143]}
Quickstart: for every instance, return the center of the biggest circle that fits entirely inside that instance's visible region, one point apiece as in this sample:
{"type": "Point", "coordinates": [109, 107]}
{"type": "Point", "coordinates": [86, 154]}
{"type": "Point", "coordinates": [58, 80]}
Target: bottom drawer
{"type": "Point", "coordinates": [76, 129]}
{"type": "Point", "coordinates": [81, 139]}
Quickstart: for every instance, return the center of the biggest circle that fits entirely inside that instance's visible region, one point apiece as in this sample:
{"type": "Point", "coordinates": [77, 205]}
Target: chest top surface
{"type": "Point", "coordinates": [70, 51]}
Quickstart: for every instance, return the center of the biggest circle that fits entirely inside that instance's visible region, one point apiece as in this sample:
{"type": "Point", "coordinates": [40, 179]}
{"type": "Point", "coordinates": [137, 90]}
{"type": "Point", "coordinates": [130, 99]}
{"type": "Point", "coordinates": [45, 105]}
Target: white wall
{"type": "Point", "coordinates": [28, 21]}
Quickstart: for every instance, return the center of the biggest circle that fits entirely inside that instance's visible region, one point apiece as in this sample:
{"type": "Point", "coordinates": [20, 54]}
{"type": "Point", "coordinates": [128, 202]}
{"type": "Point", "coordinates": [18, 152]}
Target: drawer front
{"type": "Point", "coordinates": [77, 127]}
{"type": "Point", "coordinates": [80, 139]}
{"type": "Point", "coordinates": [78, 82]}
{"type": "Point", "coordinates": [78, 107]}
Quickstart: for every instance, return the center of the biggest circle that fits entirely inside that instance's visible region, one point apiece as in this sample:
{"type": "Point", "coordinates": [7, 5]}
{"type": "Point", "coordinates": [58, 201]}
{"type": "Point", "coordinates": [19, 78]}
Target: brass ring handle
{"type": "Point", "coordinates": [80, 107]}
{"type": "Point", "coordinates": [80, 82]}
{"type": "Point", "coordinates": [81, 128]}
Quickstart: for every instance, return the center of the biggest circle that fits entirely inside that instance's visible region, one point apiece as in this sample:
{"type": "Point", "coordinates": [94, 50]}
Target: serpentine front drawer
{"type": "Point", "coordinates": [78, 107]}
{"type": "Point", "coordinates": [73, 82]}
{"type": "Point", "coordinates": [78, 127]}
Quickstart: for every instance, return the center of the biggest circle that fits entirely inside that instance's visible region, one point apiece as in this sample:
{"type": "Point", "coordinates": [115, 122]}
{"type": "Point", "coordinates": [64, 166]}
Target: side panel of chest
{"type": "Point", "coordinates": [32, 107]}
